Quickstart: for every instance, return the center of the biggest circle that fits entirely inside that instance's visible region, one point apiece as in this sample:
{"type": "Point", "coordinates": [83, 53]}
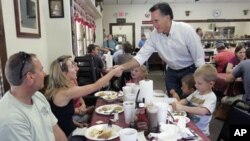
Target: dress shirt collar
{"type": "Point", "coordinates": [171, 31]}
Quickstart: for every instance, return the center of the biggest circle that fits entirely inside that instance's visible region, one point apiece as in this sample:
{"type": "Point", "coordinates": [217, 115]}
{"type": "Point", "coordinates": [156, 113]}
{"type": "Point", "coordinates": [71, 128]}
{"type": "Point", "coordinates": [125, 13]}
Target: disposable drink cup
{"type": "Point", "coordinates": [129, 111]}
{"type": "Point", "coordinates": [128, 134]}
{"type": "Point", "coordinates": [153, 117]}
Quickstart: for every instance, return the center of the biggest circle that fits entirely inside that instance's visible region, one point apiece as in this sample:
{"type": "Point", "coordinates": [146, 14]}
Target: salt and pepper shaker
{"type": "Point", "coordinates": [116, 116]}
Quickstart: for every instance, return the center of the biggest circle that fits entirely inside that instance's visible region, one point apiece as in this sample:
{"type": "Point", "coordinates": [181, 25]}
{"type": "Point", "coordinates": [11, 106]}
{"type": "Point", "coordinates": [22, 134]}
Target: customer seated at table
{"type": "Point", "coordinates": [126, 56]}
{"type": "Point", "coordinates": [93, 51]}
{"type": "Point", "coordinates": [60, 91]}
{"type": "Point", "coordinates": [82, 113]}
{"type": "Point", "coordinates": [25, 112]}
{"type": "Point", "coordinates": [118, 83]}
{"type": "Point", "coordinates": [200, 104]}
{"type": "Point", "coordinates": [222, 58]}
{"type": "Point", "coordinates": [240, 54]}
{"type": "Point", "coordinates": [242, 70]}
{"type": "Point", "coordinates": [188, 87]}
{"type": "Point", "coordinates": [138, 74]}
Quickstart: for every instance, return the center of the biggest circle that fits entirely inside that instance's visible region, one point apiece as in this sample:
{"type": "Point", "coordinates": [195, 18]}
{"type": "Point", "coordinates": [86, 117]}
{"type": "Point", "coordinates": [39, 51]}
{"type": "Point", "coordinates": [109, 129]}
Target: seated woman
{"type": "Point", "coordinates": [61, 91]}
{"type": "Point", "coordinates": [240, 54]}
{"type": "Point", "coordinates": [138, 74]}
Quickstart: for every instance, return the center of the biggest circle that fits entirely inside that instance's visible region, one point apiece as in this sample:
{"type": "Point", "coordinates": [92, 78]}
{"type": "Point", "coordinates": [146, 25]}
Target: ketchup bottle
{"type": "Point", "coordinates": [142, 121]}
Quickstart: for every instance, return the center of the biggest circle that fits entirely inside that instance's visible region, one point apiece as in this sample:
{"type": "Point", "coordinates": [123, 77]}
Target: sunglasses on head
{"type": "Point", "coordinates": [24, 57]}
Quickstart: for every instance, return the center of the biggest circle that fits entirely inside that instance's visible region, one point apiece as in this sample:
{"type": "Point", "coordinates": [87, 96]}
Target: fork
{"type": "Point", "coordinates": [169, 113]}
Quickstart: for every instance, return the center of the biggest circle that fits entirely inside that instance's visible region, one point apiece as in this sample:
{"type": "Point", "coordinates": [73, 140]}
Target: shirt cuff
{"type": "Point", "coordinates": [139, 60]}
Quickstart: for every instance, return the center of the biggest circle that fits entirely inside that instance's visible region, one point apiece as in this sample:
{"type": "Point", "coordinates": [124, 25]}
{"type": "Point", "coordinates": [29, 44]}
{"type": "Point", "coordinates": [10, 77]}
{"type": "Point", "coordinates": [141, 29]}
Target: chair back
{"type": "Point", "coordinates": [238, 115]}
{"type": "Point", "coordinates": [87, 72]}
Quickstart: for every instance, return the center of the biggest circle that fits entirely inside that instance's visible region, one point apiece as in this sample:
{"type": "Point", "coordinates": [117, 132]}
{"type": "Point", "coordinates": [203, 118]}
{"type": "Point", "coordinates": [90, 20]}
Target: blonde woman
{"type": "Point", "coordinates": [61, 91]}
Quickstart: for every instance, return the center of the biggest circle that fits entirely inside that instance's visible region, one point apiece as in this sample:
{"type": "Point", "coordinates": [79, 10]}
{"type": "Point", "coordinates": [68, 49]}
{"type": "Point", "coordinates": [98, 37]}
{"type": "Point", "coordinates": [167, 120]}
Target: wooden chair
{"type": "Point", "coordinates": [87, 74]}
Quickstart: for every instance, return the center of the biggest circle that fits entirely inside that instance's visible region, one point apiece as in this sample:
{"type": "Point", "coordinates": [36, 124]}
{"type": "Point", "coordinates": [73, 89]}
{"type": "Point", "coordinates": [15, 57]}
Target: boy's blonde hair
{"type": "Point", "coordinates": [207, 71]}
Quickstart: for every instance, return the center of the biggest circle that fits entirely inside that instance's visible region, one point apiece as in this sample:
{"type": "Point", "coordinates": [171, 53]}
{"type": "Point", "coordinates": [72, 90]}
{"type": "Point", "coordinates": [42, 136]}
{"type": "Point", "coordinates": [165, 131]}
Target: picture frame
{"type": "Point", "coordinates": [27, 18]}
{"type": "Point", "coordinates": [56, 9]}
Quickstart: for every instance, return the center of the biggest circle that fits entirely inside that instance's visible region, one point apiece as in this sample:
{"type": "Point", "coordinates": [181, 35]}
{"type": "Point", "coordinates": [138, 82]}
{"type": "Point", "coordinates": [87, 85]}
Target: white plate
{"type": "Point", "coordinates": [110, 98]}
{"type": "Point", "coordinates": [93, 132]}
{"type": "Point", "coordinates": [105, 93]}
{"type": "Point", "coordinates": [107, 109]}
{"type": "Point", "coordinates": [159, 95]}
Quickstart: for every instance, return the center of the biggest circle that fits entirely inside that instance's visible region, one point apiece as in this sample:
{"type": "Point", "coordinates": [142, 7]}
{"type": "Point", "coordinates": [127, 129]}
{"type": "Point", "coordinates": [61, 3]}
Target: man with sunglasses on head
{"type": "Point", "coordinates": [25, 112]}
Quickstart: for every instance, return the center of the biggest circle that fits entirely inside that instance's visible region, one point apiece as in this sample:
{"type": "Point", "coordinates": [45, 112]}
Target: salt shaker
{"type": "Point", "coordinates": [116, 116]}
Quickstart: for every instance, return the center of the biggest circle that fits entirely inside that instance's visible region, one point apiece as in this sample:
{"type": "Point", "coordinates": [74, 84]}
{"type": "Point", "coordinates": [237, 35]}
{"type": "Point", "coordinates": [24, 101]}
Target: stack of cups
{"type": "Point", "coordinates": [128, 134]}
{"type": "Point", "coordinates": [129, 111]}
{"type": "Point", "coordinates": [162, 111]}
{"type": "Point", "coordinates": [130, 91]}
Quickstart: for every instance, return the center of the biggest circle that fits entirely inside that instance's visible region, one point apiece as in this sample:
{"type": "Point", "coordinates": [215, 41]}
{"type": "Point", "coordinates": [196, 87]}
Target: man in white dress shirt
{"type": "Point", "coordinates": [176, 43]}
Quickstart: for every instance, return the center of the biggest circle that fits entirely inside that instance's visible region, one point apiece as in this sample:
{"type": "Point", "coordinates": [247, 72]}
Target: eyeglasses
{"type": "Point", "coordinates": [24, 57]}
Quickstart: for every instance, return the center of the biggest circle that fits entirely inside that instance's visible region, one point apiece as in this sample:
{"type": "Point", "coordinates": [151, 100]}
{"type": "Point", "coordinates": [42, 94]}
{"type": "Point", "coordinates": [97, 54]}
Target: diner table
{"type": "Point", "coordinates": [121, 122]}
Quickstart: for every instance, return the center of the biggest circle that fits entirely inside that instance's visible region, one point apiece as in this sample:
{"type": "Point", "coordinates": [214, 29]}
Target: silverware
{"type": "Point", "coordinates": [169, 113]}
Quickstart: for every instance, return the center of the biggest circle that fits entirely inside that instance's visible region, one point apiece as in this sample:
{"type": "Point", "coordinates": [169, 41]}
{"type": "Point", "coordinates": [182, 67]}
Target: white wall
{"type": "Point", "coordinates": [136, 13]}
{"type": "Point", "coordinates": [14, 44]}
{"type": "Point", "coordinates": [58, 33]}
{"type": "Point", "coordinates": [55, 34]}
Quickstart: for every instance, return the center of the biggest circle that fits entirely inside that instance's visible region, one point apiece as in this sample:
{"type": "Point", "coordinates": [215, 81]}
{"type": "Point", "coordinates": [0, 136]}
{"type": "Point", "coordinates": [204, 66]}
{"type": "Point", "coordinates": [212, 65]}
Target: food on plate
{"type": "Point", "coordinates": [179, 113]}
{"type": "Point", "coordinates": [118, 109]}
{"type": "Point", "coordinates": [107, 133]}
{"type": "Point", "coordinates": [106, 93]}
{"type": "Point", "coordinates": [109, 97]}
{"type": "Point", "coordinates": [105, 108]}
{"type": "Point", "coordinates": [101, 133]}
{"type": "Point", "coordinates": [101, 94]}
{"type": "Point", "coordinates": [109, 109]}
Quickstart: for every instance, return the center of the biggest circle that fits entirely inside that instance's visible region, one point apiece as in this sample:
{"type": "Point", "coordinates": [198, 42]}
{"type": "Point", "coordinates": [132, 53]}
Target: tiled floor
{"type": "Point", "coordinates": [159, 83]}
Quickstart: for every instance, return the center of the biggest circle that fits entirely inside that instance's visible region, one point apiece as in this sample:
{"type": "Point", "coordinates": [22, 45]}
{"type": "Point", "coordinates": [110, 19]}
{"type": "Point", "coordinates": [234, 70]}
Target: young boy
{"type": "Point", "coordinates": [188, 87]}
{"type": "Point", "coordinates": [200, 104]}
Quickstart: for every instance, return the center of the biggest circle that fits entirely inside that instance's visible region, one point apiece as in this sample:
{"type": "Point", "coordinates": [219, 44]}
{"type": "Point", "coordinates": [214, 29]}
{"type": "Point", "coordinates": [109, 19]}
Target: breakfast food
{"type": "Point", "coordinates": [101, 133]}
{"type": "Point", "coordinates": [118, 109]}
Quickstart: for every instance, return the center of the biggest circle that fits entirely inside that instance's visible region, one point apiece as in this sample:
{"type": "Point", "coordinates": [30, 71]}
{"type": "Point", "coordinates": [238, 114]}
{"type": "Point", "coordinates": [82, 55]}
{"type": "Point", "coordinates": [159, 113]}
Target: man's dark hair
{"type": "Point", "coordinates": [164, 8]}
{"type": "Point", "coordinates": [248, 53]}
{"type": "Point", "coordinates": [91, 47]}
{"type": "Point", "coordinates": [198, 29]}
{"type": "Point", "coordinates": [238, 48]}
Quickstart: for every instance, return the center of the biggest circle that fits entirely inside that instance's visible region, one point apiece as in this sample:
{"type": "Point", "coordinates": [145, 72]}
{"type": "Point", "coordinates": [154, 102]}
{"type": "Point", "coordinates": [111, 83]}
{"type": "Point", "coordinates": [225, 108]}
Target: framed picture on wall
{"type": "Point", "coordinates": [27, 18]}
{"type": "Point", "coordinates": [56, 9]}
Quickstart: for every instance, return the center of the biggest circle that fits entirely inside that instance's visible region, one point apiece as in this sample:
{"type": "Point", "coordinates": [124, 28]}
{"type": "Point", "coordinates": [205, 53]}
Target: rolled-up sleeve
{"type": "Point", "coordinates": [145, 52]}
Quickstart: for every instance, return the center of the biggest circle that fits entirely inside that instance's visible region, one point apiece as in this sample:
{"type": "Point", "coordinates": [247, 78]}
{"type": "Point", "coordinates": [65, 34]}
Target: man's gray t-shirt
{"type": "Point", "coordinates": [243, 70]}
